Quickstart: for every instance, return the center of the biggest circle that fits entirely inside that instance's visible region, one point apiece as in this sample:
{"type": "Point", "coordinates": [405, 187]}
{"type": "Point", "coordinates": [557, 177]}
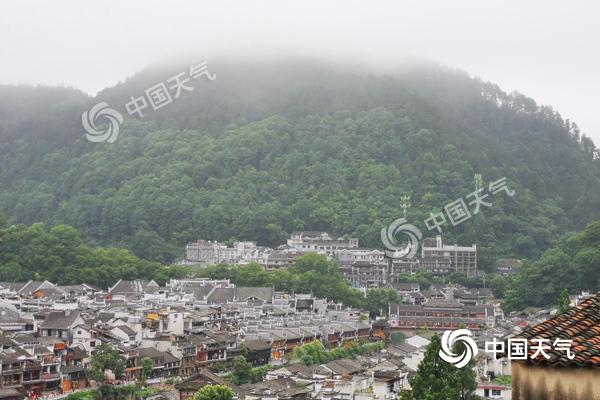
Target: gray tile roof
{"type": "Point", "coordinates": [60, 319]}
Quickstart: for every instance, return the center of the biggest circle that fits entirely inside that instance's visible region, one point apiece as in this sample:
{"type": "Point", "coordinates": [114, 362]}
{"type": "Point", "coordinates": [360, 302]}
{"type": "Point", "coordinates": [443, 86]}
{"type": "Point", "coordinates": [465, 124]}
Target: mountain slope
{"type": "Point", "coordinates": [269, 148]}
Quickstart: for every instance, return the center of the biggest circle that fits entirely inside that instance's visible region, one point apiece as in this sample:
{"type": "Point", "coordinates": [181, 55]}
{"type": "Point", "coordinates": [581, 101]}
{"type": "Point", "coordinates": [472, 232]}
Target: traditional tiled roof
{"type": "Point", "coordinates": [203, 377]}
{"type": "Point", "coordinates": [60, 319]}
{"type": "Point", "coordinates": [263, 293]}
{"type": "Point", "coordinates": [285, 388]}
{"type": "Point", "coordinates": [258, 344]}
{"type": "Point", "coordinates": [135, 287]}
{"type": "Point", "coordinates": [581, 324]}
{"type": "Point", "coordinates": [221, 295]}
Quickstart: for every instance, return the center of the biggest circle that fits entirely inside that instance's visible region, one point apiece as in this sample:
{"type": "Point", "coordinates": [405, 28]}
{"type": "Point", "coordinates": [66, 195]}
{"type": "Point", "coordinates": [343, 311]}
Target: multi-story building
{"type": "Point", "coordinates": [363, 268]}
{"type": "Point", "coordinates": [319, 242]}
{"type": "Point", "coordinates": [462, 258]}
{"type": "Point", "coordinates": [210, 253]}
{"type": "Point", "coordinates": [400, 266]}
{"type": "Point", "coordinates": [437, 265]}
{"type": "Point", "coordinates": [349, 256]}
{"type": "Point", "coordinates": [280, 259]}
{"type": "Point", "coordinates": [202, 251]}
{"type": "Point", "coordinates": [440, 315]}
{"type": "Point", "coordinates": [365, 275]}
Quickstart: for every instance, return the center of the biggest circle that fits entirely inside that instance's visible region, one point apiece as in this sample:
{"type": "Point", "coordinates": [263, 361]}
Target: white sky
{"type": "Point", "coordinates": [548, 51]}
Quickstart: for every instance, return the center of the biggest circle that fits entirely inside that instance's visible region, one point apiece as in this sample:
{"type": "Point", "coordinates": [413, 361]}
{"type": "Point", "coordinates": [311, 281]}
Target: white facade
{"type": "Point", "coordinates": [319, 242]}
{"type": "Point", "coordinates": [462, 258]}
{"type": "Point", "coordinates": [211, 253]}
{"type": "Point", "coordinates": [371, 256]}
{"type": "Point", "coordinates": [490, 391]}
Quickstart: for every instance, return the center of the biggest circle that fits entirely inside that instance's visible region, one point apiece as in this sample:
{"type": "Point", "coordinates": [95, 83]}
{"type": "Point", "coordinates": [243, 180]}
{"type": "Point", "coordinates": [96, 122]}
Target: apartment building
{"type": "Point", "coordinates": [444, 258]}
{"type": "Point", "coordinates": [210, 253]}
{"type": "Point", "coordinates": [320, 242]}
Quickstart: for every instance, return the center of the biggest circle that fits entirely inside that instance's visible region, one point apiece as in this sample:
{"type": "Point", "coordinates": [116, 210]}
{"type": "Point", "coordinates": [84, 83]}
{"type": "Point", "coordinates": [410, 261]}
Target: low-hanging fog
{"type": "Point", "coordinates": [545, 50]}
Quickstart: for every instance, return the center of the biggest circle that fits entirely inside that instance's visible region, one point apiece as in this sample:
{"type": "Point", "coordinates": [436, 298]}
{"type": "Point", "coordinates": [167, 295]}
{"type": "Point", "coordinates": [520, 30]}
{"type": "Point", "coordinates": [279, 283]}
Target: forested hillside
{"type": "Point", "coordinates": [59, 255]}
{"type": "Point", "coordinates": [266, 149]}
{"type": "Point", "coordinates": [574, 264]}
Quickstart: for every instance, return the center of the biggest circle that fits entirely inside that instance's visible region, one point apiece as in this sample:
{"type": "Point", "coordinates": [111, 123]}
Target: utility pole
{"type": "Point", "coordinates": [404, 204]}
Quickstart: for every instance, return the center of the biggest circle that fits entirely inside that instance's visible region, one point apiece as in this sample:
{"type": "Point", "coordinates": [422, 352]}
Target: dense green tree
{"type": "Point", "coordinates": [3, 221]}
{"type": "Point", "coordinates": [59, 255]}
{"type": "Point", "coordinates": [147, 367]}
{"type": "Point", "coordinates": [82, 396]}
{"type": "Point", "coordinates": [335, 153]}
{"type": "Point", "coordinates": [377, 301]}
{"type": "Point", "coordinates": [106, 357]}
{"type": "Point", "coordinates": [397, 338]}
{"type": "Point", "coordinates": [305, 276]}
{"type": "Point", "coordinates": [572, 265]}
{"type": "Point", "coordinates": [214, 392]}
{"type": "Point", "coordinates": [564, 302]}
{"type": "Point", "coordinates": [312, 353]}
{"type": "Point", "coordinates": [438, 380]}
{"type": "Point", "coordinates": [499, 285]}
{"type": "Point", "coordinates": [242, 370]}
{"type": "Point", "coordinates": [315, 352]}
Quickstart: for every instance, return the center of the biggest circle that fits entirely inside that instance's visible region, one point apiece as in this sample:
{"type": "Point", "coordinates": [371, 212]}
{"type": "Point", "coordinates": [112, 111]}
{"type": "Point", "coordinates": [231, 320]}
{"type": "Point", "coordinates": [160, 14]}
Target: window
{"type": "Point", "coordinates": [496, 392]}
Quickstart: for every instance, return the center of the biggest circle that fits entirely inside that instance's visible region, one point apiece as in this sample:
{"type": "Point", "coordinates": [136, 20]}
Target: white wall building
{"type": "Point", "coordinates": [462, 258]}
{"type": "Point", "coordinates": [211, 253]}
{"type": "Point", "coordinates": [316, 241]}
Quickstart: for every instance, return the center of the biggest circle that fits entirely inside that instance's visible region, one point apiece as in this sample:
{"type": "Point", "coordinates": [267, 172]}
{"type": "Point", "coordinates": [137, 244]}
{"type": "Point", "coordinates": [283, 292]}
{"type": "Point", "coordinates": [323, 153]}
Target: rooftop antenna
{"type": "Point", "coordinates": [405, 204]}
{"type": "Point", "coordinates": [478, 181]}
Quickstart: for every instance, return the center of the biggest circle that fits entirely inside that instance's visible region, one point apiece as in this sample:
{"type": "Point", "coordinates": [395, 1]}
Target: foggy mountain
{"type": "Point", "coordinates": [268, 148]}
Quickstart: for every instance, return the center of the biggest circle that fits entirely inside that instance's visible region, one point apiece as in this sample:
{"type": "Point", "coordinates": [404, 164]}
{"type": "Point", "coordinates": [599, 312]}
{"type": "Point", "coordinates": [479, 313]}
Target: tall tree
{"type": "Point", "coordinates": [147, 367]}
{"type": "Point", "coordinates": [564, 302]}
{"type": "Point", "coordinates": [214, 392]}
{"type": "Point", "coordinates": [242, 371]}
{"type": "Point", "coordinates": [438, 380]}
{"type": "Point", "coordinates": [377, 301]}
{"type": "Point", "coordinates": [106, 358]}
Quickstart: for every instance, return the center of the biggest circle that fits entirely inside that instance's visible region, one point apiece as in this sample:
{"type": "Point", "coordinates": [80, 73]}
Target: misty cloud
{"type": "Point", "coordinates": [546, 51]}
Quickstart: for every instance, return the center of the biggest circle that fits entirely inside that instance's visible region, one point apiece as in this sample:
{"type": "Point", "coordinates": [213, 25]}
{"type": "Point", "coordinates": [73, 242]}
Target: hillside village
{"type": "Point", "coordinates": [362, 267]}
{"type": "Point", "coordinates": [193, 329]}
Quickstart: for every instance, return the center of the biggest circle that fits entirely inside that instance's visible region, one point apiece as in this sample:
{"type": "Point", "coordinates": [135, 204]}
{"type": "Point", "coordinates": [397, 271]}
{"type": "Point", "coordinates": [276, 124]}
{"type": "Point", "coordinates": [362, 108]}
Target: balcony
{"type": "Point", "coordinates": [32, 379]}
{"type": "Point", "coordinates": [50, 360]}
{"type": "Point", "coordinates": [12, 384]}
{"type": "Point", "coordinates": [50, 376]}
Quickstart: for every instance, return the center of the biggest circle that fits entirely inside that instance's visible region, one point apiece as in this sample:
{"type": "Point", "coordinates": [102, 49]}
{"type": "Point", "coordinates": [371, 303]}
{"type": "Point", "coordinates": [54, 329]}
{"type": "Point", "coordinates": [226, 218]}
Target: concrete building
{"type": "Point", "coordinates": [280, 259]}
{"type": "Point", "coordinates": [316, 241]}
{"type": "Point", "coordinates": [439, 315]}
{"type": "Point", "coordinates": [461, 258]}
{"type": "Point", "coordinates": [399, 266]}
{"type": "Point", "coordinates": [363, 268]}
{"type": "Point", "coordinates": [211, 253]}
